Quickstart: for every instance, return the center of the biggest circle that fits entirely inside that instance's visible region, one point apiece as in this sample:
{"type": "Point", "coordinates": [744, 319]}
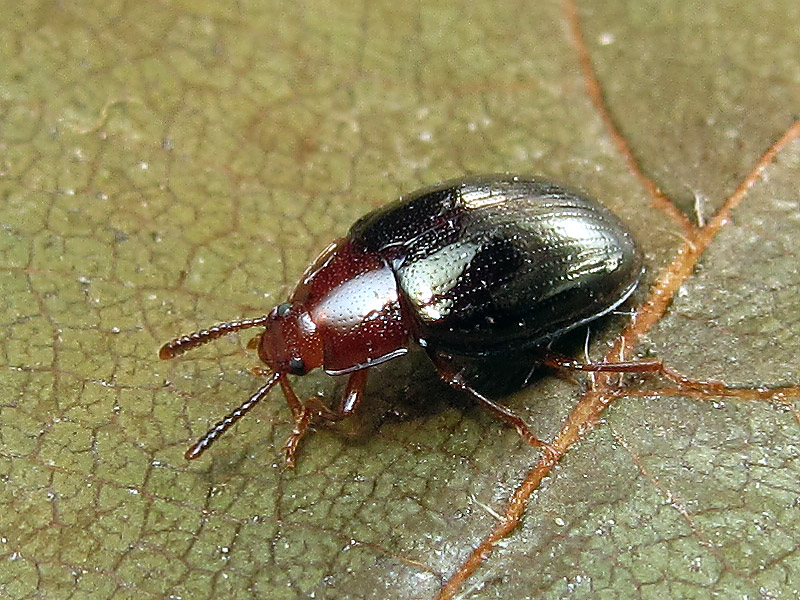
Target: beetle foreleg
{"type": "Point", "coordinates": [302, 420]}
{"type": "Point", "coordinates": [304, 412]}
{"type": "Point", "coordinates": [295, 405]}
{"type": "Point", "coordinates": [301, 427]}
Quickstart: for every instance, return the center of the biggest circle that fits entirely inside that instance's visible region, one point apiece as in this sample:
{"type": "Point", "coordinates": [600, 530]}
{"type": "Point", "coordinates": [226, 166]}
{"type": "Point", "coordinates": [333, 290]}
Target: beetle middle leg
{"type": "Point", "coordinates": [454, 378]}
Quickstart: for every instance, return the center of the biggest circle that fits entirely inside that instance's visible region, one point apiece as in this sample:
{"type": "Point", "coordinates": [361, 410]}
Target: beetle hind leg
{"type": "Point", "coordinates": [556, 361]}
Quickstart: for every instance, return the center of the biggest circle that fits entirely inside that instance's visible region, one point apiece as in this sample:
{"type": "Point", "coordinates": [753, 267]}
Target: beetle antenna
{"type": "Point", "coordinates": [204, 443]}
{"type": "Point", "coordinates": [192, 340]}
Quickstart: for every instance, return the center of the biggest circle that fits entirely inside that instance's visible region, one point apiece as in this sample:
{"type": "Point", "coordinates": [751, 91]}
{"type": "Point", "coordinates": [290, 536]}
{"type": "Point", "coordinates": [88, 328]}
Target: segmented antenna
{"type": "Point", "coordinates": [192, 340]}
{"type": "Point", "coordinates": [204, 443]}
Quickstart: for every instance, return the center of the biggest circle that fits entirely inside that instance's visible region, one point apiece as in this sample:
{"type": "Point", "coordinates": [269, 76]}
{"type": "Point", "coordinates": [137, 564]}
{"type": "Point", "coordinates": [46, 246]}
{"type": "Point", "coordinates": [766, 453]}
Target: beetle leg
{"type": "Point", "coordinates": [455, 379]}
{"type": "Point", "coordinates": [302, 415]}
{"type": "Point", "coordinates": [557, 361]}
{"type": "Point", "coordinates": [301, 427]}
{"type": "Point", "coordinates": [353, 393]}
{"type": "Point", "coordinates": [302, 420]}
{"type": "Point", "coordinates": [295, 405]}
{"type": "Point", "coordinates": [304, 412]}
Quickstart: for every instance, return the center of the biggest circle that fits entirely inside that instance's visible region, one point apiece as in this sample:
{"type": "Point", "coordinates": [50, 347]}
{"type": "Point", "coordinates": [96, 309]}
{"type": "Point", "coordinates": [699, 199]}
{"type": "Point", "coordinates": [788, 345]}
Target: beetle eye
{"type": "Point", "coordinates": [284, 309]}
{"type": "Point", "coordinates": [297, 366]}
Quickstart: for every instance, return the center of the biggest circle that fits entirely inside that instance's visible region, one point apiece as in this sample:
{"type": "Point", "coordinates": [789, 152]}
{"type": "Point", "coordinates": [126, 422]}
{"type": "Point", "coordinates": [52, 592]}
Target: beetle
{"type": "Point", "coordinates": [473, 267]}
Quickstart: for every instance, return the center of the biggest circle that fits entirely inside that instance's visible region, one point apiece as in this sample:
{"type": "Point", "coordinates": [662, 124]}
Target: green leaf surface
{"type": "Point", "coordinates": [165, 166]}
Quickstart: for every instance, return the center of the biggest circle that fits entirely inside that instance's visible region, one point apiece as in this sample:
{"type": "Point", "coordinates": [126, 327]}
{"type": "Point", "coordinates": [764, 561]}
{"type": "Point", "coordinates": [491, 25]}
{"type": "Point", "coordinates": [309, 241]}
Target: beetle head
{"type": "Point", "coordinates": [291, 342]}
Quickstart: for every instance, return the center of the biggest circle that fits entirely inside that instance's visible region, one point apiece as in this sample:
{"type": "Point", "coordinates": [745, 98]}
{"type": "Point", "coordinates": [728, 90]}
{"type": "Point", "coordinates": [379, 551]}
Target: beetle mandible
{"type": "Point", "coordinates": [472, 267]}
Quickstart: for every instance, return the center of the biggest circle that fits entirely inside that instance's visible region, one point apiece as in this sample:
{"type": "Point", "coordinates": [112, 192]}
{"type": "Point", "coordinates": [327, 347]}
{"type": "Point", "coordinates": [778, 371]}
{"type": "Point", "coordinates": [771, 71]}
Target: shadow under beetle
{"type": "Point", "coordinates": [473, 267]}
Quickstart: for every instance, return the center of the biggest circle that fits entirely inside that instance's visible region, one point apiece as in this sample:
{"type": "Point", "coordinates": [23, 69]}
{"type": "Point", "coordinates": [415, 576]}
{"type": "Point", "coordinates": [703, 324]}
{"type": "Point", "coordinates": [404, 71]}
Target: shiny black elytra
{"type": "Point", "coordinates": [472, 267]}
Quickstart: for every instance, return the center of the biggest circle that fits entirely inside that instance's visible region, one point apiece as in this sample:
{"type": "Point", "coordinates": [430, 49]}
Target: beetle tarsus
{"type": "Point", "coordinates": [301, 427]}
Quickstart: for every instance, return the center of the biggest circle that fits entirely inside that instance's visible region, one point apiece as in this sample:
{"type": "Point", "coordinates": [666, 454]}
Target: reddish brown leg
{"type": "Point", "coordinates": [644, 366]}
{"type": "Point", "coordinates": [353, 393]}
{"type": "Point", "coordinates": [301, 427]}
{"type": "Point", "coordinates": [455, 379]}
{"type": "Point", "coordinates": [295, 405]}
{"type": "Point", "coordinates": [302, 421]}
{"type": "Point", "coordinates": [253, 343]}
{"type": "Point", "coordinates": [304, 413]}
